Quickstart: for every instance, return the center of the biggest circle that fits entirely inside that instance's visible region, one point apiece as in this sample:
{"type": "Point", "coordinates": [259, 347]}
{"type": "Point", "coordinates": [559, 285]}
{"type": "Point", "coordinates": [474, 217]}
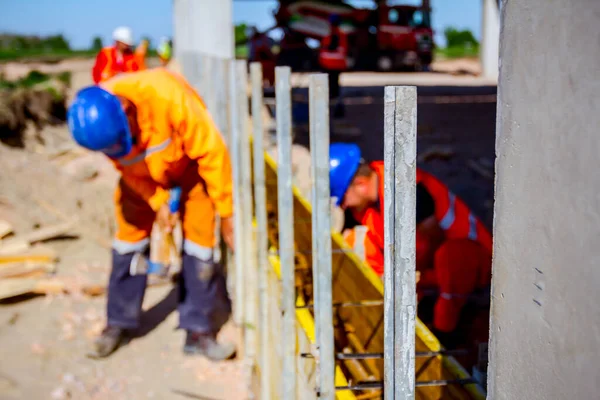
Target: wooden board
{"type": "Point", "coordinates": [25, 269]}
{"type": "Point", "coordinates": [41, 254]}
{"type": "Point", "coordinates": [23, 242]}
{"type": "Point", "coordinates": [16, 287]}
{"type": "Point", "coordinates": [13, 287]}
{"type": "Point", "coordinates": [5, 228]}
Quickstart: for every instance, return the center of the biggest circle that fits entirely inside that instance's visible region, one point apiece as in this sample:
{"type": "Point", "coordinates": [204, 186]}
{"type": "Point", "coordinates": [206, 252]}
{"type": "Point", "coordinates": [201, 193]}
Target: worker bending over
{"type": "Point", "coordinates": [121, 57]}
{"type": "Point", "coordinates": [159, 135]}
{"type": "Point", "coordinates": [453, 249]}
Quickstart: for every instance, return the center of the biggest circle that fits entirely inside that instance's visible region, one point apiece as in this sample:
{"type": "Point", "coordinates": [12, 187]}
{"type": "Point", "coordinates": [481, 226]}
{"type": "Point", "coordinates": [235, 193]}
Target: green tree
{"type": "Point", "coordinates": [97, 43]}
{"type": "Point", "coordinates": [240, 33]}
{"type": "Point", "coordinates": [20, 43]}
{"type": "Point", "coordinates": [56, 43]}
{"type": "Point", "coordinates": [457, 38]}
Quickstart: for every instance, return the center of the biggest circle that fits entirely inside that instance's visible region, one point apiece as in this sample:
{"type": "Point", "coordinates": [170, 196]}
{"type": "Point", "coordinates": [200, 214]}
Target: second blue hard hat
{"type": "Point", "coordinates": [344, 160]}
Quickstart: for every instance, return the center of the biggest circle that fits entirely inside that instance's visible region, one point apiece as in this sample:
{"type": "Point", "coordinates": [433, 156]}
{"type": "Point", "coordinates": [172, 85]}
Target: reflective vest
{"type": "Point", "coordinates": [334, 59]}
{"type": "Point", "coordinates": [109, 63]}
{"type": "Point", "coordinates": [452, 214]}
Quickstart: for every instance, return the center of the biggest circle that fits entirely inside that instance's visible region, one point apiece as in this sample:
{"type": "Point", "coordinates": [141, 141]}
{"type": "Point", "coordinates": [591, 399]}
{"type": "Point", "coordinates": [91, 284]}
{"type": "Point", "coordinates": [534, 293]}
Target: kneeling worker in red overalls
{"type": "Point", "coordinates": [158, 133]}
{"type": "Point", "coordinates": [454, 249]}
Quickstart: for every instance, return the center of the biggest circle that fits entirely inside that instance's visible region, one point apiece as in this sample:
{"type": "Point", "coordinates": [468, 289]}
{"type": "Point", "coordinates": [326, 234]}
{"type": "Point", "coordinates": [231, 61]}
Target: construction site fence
{"type": "Point", "coordinates": [289, 351]}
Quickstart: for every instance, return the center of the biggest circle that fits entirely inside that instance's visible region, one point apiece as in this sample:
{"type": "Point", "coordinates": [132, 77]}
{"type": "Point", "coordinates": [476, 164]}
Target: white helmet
{"type": "Point", "coordinates": [124, 35]}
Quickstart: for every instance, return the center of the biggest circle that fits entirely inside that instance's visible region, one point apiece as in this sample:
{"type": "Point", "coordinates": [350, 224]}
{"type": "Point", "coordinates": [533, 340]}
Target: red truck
{"type": "Point", "coordinates": [385, 38]}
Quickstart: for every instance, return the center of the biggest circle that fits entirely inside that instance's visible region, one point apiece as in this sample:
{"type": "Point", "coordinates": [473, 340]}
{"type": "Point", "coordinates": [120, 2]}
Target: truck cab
{"type": "Point", "coordinates": [404, 37]}
{"type": "Point", "coordinates": [385, 38]}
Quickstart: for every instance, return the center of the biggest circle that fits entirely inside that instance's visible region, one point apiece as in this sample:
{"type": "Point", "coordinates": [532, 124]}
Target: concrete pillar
{"type": "Point", "coordinates": [204, 26]}
{"type": "Point", "coordinates": [490, 38]}
{"type": "Point", "coordinates": [180, 36]}
{"type": "Point", "coordinates": [545, 318]}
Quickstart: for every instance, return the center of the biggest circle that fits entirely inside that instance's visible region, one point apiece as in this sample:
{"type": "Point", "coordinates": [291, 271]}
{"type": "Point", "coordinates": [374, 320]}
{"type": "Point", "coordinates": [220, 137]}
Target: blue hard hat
{"type": "Point", "coordinates": [344, 160]}
{"type": "Point", "coordinates": [97, 122]}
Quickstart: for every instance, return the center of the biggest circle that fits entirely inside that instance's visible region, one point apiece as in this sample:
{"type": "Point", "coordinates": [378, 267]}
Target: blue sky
{"type": "Point", "coordinates": [81, 20]}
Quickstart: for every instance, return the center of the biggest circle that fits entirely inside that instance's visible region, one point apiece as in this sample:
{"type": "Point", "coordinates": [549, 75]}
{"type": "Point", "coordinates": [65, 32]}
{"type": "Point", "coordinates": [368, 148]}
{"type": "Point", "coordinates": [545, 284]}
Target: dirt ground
{"type": "Point", "coordinates": [44, 339]}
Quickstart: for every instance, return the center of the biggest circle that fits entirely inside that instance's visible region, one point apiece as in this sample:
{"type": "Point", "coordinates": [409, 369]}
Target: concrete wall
{"type": "Point", "coordinates": [545, 333]}
{"type": "Point", "coordinates": [204, 26]}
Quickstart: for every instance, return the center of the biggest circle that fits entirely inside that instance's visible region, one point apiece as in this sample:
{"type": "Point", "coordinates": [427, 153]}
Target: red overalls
{"type": "Point", "coordinates": [456, 268]}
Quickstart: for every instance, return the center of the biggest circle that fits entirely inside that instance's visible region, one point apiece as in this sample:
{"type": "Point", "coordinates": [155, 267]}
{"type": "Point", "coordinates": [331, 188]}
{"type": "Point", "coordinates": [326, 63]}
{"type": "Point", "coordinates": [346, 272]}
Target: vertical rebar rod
{"type": "Point", "coordinates": [313, 201]}
{"type": "Point", "coordinates": [219, 76]}
{"type": "Point", "coordinates": [198, 69]}
{"type": "Point", "coordinates": [221, 85]}
{"type": "Point", "coordinates": [228, 123]}
{"type": "Point", "coordinates": [321, 231]}
{"type": "Point", "coordinates": [209, 65]}
{"type": "Point", "coordinates": [262, 242]}
{"type": "Point", "coordinates": [234, 148]}
{"type": "Point", "coordinates": [249, 292]}
{"type": "Point", "coordinates": [400, 127]}
{"type": "Point", "coordinates": [186, 67]}
{"type": "Point", "coordinates": [202, 77]}
{"type": "Point", "coordinates": [285, 205]}
{"type": "Point", "coordinates": [389, 113]}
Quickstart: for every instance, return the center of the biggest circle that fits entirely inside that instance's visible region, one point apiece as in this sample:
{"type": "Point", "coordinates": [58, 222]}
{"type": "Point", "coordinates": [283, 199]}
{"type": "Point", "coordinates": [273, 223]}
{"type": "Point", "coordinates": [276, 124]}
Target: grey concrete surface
{"type": "Point", "coordinates": [490, 38]}
{"type": "Point", "coordinates": [545, 333]}
{"type": "Point", "coordinates": [203, 26]}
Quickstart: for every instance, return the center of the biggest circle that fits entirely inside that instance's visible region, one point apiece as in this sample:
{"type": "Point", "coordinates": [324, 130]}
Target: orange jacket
{"type": "Point", "coordinates": [108, 63]}
{"type": "Point", "coordinates": [176, 132]}
{"type": "Point", "coordinates": [452, 214]}
{"type": "Point", "coordinates": [334, 59]}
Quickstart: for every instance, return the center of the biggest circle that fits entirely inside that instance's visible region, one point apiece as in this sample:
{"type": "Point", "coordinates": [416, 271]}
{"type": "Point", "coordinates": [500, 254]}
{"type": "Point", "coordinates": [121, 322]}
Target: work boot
{"type": "Point", "coordinates": [207, 345]}
{"type": "Point", "coordinates": [108, 341]}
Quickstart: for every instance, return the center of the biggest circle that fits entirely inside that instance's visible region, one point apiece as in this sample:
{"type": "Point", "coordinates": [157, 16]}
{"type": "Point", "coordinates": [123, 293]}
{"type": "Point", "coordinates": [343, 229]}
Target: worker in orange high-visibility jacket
{"type": "Point", "coordinates": [121, 57]}
{"type": "Point", "coordinates": [158, 133]}
{"type": "Point", "coordinates": [453, 249]}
